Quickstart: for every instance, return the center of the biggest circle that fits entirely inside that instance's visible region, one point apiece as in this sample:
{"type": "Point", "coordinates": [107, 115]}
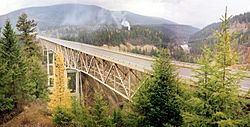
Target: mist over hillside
{"type": "Point", "coordinates": [181, 32]}
{"type": "Point", "coordinates": [77, 14]}
{"type": "Point", "coordinates": [91, 17]}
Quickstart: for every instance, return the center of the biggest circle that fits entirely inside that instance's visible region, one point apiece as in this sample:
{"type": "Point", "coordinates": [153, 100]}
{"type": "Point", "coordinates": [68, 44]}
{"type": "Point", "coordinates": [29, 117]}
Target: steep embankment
{"type": "Point", "coordinates": [35, 115]}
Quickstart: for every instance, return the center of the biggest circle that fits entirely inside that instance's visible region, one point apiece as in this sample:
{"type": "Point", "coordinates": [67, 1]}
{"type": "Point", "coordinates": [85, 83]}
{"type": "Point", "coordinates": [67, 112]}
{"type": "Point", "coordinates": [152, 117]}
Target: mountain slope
{"type": "Point", "coordinates": [77, 14]}
{"type": "Point", "coordinates": [239, 24]}
{"type": "Point", "coordinates": [181, 32]}
{"type": "Point", "coordinates": [57, 20]}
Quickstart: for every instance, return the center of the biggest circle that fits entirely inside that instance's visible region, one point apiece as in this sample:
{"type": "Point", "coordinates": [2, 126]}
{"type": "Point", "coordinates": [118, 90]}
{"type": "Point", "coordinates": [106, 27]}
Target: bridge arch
{"type": "Point", "coordinates": [123, 80]}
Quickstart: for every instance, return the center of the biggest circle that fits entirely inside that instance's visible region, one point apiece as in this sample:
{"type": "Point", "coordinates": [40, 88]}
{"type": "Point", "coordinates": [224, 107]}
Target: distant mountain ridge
{"type": "Point", "coordinates": [78, 14]}
{"type": "Point", "coordinates": [91, 17]}
{"type": "Point", "coordinates": [238, 23]}
{"type": "Point", "coordinates": [239, 26]}
{"type": "Point", "coordinates": [182, 32]}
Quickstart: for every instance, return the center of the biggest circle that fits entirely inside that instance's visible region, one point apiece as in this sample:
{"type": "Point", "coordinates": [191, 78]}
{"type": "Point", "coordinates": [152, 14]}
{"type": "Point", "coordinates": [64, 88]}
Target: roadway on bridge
{"type": "Point", "coordinates": [134, 61]}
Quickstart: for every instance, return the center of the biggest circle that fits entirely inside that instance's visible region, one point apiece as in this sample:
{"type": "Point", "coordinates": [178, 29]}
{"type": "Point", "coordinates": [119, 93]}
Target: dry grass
{"type": "Point", "coordinates": [34, 116]}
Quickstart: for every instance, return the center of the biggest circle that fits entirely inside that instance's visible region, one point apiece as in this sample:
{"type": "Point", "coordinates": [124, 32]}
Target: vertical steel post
{"type": "Point", "coordinates": [47, 64]}
{"type": "Point", "coordinates": [77, 86]}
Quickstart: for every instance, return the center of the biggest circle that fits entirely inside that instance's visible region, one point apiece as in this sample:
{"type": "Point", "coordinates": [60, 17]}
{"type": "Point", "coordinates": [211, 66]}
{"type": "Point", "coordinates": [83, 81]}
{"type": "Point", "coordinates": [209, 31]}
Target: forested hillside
{"type": "Point", "coordinates": [71, 20]}
{"type": "Point", "coordinates": [99, 26]}
{"type": "Point", "coordinates": [156, 36]}
{"type": "Point", "coordinates": [138, 35]}
{"type": "Point", "coordinates": [239, 26]}
{"type": "Point", "coordinates": [238, 23]}
{"type": "Point", "coordinates": [109, 35]}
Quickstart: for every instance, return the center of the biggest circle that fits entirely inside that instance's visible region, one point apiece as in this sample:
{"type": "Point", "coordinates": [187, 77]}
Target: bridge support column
{"type": "Point", "coordinates": [81, 88]}
{"type": "Point", "coordinates": [47, 65]}
{"type": "Point", "coordinates": [77, 94]}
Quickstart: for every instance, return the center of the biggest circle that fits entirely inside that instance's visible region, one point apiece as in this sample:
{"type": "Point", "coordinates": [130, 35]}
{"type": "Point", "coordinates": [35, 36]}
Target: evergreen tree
{"type": "Point", "coordinates": [216, 101]}
{"type": "Point", "coordinates": [6, 99]}
{"type": "Point", "coordinates": [117, 118]}
{"type": "Point", "coordinates": [62, 117]}
{"type": "Point", "coordinates": [37, 77]}
{"type": "Point", "coordinates": [14, 86]}
{"type": "Point", "coordinates": [27, 29]}
{"type": "Point", "coordinates": [99, 112]}
{"type": "Point", "coordinates": [61, 94]}
{"type": "Point", "coordinates": [36, 74]}
{"type": "Point", "coordinates": [82, 115]}
{"type": "Point", "coordinates": [157, 101]}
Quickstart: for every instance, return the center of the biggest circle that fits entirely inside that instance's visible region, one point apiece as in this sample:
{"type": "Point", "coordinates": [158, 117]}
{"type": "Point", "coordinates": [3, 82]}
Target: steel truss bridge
{"type": "Point", "coordinates": [118, 71]}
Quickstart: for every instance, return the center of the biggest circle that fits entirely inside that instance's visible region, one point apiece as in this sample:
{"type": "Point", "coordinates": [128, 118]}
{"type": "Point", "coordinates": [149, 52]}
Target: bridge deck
{"type": "Point", "coordinates": [137, 62]}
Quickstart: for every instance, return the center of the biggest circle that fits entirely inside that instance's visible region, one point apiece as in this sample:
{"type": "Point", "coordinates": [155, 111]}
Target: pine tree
{"type": "Point", "coordinates": [216, 101]}
{"type": "Point", "coordinates": [157, 102]}
{"type": "Point", "coordinates": [82, 114]}
{"type": "Point", "coordinates": [37, 77]}
{"type": "Point", "coordinates": [99, 112]}
{"type": "Point", "coordinates": [117, 118]}
{"type": "Point", "coordinates": [14, 86]}
{"type": "Point", "coordinates": [6, 99]}
{"type": "Point", "coordinates": [27, 29]}
{"type": "Point", "coordinates": [61, 94]}
{"type": "Point", "coordinates": [36, 74]}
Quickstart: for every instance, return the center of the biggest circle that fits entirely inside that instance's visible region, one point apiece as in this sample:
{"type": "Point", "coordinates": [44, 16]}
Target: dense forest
{"type": "Point", "coordinates": [155, 35]}
{"type": "Point", "coordinates": [242, 18]}
{"type": "Point", "coordinates": [112, 36]}
{"type": "Point", "coordinates": [22, 77]}
{"type": "Point", "coordinates": [109, 35]}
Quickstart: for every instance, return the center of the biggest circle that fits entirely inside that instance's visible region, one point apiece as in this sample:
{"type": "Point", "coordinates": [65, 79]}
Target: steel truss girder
{"type": "Point", "coordinates": [120, 79]}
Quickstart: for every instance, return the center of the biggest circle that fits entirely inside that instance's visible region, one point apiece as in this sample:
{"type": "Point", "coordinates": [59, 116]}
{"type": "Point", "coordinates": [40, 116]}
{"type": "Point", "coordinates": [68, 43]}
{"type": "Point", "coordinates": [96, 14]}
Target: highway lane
{"type": "Point", "coordinates": [134, 61]}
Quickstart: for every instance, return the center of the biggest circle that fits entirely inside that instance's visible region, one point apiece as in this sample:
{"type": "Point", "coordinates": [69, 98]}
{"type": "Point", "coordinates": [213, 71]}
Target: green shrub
{"type": "Point", "coordinates": [63, 117]}
{"type": "Point", "coordinates": [6, 104]}
{"type": "Point", "coordinates": [117, 118]}
{"type": "Point", "coordinates": [82, 116]}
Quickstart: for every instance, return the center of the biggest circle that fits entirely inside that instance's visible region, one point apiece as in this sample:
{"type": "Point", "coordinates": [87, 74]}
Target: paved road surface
{"type": "Point", "coordinates": [134, 61]}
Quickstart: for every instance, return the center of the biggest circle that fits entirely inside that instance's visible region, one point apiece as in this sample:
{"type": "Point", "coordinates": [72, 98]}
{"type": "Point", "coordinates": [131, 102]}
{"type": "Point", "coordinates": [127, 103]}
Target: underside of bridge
{"type": "Point", "coordinates": [90, 86]}
{"type": "Point", "coordinates": [85, 87]}
{"type": "Point", "coordinates": [92, 73]}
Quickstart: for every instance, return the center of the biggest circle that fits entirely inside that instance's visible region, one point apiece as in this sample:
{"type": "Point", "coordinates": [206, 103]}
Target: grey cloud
{"type": "Point", "coordinates": [193, 12]}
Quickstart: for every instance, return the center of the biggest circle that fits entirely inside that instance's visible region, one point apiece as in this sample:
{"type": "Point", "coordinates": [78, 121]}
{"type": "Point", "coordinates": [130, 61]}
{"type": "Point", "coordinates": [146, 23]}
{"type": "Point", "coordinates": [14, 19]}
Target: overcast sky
{"type": "Point", "coordinates": [198, 13]}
